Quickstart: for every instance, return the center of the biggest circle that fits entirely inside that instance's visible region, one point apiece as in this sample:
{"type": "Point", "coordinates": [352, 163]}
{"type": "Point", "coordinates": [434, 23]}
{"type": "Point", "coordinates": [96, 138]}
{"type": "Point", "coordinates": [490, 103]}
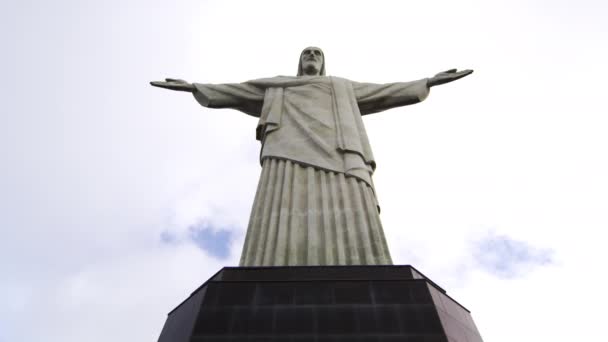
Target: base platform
{"type": "Point", "coordinates": [319, 304]}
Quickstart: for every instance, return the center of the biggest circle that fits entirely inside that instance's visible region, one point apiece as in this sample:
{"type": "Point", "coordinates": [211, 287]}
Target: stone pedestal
{"type": "Point", "coordinates": [319, 303]}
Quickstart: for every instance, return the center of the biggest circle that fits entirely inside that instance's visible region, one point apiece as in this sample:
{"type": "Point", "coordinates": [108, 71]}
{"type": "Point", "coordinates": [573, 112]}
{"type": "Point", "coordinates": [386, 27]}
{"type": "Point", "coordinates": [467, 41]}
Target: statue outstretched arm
{"type": "Point", "coordinates": [373, 98]}
{"type": "Point", "coordinates": [244, 97]}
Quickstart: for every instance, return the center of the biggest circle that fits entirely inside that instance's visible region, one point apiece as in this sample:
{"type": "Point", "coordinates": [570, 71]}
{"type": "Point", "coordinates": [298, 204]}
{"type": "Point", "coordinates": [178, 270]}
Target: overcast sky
{"type": "Point", "coordinates": [118, 199]}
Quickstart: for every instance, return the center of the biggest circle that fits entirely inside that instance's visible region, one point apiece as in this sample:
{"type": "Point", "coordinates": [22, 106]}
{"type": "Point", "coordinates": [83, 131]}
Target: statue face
{"type": "Point", "coordinates": [312, 60]}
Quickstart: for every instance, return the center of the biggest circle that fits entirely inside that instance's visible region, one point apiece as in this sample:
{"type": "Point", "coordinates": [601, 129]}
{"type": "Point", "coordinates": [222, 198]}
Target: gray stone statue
{"type": "Point", "coordinates": [315, 203]}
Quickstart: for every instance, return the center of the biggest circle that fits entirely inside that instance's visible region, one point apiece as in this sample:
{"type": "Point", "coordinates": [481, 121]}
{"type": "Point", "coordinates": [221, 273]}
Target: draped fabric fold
{"type": "Point", "coordinates": [351, 135]}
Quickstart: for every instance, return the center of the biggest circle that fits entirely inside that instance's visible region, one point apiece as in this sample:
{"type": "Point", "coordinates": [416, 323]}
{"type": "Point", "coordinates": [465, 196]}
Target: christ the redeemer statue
{"type": "Point", "coordinates": [315, 203]}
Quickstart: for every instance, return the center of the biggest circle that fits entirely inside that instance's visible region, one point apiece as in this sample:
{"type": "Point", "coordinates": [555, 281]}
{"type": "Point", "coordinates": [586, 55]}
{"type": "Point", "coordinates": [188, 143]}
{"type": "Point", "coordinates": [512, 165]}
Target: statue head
{"type": "Point", "coordinates": [312, 62]}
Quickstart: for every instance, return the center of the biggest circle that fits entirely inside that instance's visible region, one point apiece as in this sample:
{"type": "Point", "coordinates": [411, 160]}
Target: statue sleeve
{"type": "Point", "coordinates": [244, 97]}
{"type": "Point", "coordinates": [373, 98]}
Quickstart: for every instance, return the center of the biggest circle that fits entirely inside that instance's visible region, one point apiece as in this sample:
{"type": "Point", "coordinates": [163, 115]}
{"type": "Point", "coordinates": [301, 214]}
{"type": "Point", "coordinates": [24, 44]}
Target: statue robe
{"type": "Point", "coordinates": [315, 203]}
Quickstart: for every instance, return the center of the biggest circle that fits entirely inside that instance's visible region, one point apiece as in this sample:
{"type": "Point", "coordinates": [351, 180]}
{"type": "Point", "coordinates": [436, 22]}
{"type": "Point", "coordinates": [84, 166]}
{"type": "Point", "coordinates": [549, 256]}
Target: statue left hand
{"type": "Point", "coordinates": [174, 84]}
{"type": "Point", "coordinates": [448, 76]}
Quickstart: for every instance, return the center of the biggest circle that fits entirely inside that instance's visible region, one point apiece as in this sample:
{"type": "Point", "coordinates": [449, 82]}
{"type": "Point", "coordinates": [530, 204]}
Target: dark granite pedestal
{"type": "Point", "coordinates": [319, 303]}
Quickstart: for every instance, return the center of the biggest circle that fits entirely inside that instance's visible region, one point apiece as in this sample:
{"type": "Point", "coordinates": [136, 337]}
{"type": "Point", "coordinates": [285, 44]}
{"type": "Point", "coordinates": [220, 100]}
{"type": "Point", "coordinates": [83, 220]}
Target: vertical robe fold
{"type": "Point", "coordinates": [315, 203]}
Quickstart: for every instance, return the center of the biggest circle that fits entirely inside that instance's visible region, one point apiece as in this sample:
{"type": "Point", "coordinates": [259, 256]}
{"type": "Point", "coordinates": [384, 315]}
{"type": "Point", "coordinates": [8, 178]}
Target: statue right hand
{"type": "Point", "coordinates": [448, 76]}
{"type": "Point", "coordinates": [174, 84]}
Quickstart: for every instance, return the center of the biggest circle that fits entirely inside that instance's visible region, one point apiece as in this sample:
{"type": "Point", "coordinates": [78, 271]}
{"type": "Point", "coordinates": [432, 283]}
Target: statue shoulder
{"type": "Point", "coordinates": [272, 81]}
{"type": "Point", "coordinates": [341, 80]}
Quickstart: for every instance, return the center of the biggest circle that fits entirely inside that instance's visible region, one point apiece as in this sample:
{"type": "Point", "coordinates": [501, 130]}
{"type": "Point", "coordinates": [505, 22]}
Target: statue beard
{"type": "Point", "coordinates": [311, 70]}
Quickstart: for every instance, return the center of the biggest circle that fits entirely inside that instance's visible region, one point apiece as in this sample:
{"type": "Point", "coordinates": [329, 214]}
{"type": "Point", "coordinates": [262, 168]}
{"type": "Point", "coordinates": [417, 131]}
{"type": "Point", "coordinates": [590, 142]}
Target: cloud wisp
{"type": "Point", "coordinates": [215, 241]}
{"type": "Point", "coordinates": [506, 257]}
